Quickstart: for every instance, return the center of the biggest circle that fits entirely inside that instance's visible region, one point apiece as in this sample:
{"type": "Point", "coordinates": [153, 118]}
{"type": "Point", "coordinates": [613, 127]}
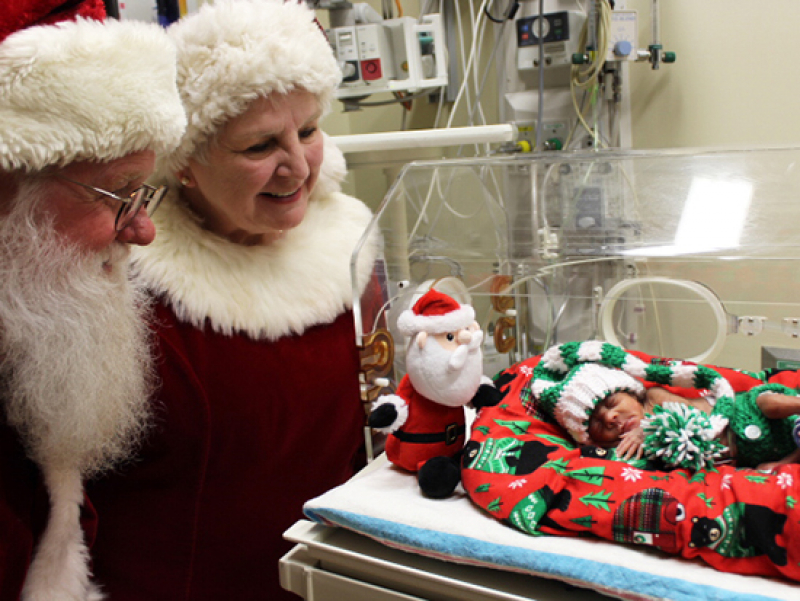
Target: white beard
{"type": "Point", "coordinates": [445, 377]}
{"type": "Point", "coordinates": [75, 363]}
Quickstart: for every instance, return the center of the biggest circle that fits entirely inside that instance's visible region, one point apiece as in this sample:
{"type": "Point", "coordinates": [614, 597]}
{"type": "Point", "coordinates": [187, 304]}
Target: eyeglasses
{"type": "Point", "coordinates": [143, 196]}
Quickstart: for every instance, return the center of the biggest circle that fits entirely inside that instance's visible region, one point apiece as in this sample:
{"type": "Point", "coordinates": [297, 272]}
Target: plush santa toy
{"type": "Point", "coordinates": [425, 420]}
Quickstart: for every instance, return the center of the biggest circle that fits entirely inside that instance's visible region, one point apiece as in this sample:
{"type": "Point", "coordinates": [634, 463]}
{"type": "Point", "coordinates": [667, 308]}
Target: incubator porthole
{"type": "Point", "coordinates": [664, 316]}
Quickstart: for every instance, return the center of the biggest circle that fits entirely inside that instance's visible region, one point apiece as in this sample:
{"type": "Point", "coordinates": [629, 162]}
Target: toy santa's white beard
{"type": "Point", "coordinates": [75, 361]}
{"type": "Point", "coordinates": [450, 378]}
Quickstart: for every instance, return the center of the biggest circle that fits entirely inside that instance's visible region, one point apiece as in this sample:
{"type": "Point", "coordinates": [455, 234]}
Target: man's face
{"type": "Point", "coordinates": [85, 218]}
{"type": "Point", "coordinates": [77, 367]}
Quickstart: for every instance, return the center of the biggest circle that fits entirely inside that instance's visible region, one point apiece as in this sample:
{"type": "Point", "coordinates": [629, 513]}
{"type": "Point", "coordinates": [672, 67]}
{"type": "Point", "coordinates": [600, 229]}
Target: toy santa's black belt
{"type": "Point", "coordinates": [448, 436]}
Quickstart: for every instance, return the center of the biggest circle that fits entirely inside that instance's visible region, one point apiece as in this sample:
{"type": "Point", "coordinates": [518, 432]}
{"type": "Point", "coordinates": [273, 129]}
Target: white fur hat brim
{"type": "Point", "coordinates": [87, 90]}
{"type": "Point", "coordinates": [234, 51]}
{"type": "Point", "coordinates": [409, 323]}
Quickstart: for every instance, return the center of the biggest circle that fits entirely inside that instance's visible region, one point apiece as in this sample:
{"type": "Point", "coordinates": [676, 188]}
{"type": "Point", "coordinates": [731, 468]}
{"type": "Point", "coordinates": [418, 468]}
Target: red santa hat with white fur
{"type": "Point", "coordinates": [76, 87]}
{"type": "Point", "coordinates": [435, 313]}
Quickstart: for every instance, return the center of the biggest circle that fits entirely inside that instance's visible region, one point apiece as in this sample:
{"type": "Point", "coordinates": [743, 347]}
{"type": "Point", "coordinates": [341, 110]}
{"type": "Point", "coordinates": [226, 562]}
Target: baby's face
{"type": "Point", "coordinates": [619, 413]}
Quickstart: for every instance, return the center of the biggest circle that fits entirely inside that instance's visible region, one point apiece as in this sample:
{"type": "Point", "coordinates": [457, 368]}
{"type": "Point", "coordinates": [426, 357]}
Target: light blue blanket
{"type": "Point", "coordinates": [385, 504]}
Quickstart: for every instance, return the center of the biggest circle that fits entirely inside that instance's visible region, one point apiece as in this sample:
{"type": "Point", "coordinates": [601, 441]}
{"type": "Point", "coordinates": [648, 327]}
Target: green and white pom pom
{"type": "Point", "coordinates": [682, 436]}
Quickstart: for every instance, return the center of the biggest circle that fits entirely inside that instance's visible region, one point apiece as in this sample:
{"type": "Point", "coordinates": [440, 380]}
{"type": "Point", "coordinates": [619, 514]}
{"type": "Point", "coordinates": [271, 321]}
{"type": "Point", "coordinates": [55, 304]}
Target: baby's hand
{"type": "Point", "coordinates": [631, 445]}
{"type": "Point", "coordinates": [774, 466]}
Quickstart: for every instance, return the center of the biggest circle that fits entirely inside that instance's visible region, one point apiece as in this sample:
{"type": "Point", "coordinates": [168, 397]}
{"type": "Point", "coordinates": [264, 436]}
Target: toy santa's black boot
{"type": "Point", "coordinates": [439, 476]}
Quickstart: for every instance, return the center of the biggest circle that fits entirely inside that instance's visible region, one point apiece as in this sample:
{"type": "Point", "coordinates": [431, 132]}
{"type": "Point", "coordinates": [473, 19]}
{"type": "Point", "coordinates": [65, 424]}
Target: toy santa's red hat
{"type": "Point", "coordinates": [435, 313]}
{"type": "Point", "coordinates": [76, 87]}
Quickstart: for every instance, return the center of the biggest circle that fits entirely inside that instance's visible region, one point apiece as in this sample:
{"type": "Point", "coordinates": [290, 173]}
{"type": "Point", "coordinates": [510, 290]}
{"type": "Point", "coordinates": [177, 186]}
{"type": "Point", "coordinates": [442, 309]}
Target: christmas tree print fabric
{"type": "Point", "coordinates": [523, 469]}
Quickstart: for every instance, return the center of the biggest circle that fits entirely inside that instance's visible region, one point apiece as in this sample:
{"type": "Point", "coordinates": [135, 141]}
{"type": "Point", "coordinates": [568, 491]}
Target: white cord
{"type": "Point", "coordinates": [586, 77]}
{"type": "Point", "coordinates": [468, 67]}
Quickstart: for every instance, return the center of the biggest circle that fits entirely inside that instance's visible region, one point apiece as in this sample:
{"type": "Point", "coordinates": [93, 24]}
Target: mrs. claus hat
{"type": "Point", "coordinates": [234, 51]}
{"type": "Point", "coordinates": [75, 87]}
{"type": "Point", "coordinates": [572, 378]}
{"type": "Point", "coordinates": [435, 313]}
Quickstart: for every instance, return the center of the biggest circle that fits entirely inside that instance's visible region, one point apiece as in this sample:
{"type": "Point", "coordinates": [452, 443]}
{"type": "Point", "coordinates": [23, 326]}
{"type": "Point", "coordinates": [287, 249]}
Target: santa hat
{"type": "Point", "coordinates": [234, 51]}
{"type": "Point", "coordinates": [73, 87]}
{"type": "Point", "coordinates": [572, 378]}
{"type": "Point", "coordinates": [435, 313]}
{"type": "Point", "coordinates": [26, 13]}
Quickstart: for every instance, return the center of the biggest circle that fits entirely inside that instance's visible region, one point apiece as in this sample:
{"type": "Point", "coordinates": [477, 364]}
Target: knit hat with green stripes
{"type": "Point", "coordinates": [572, 378]}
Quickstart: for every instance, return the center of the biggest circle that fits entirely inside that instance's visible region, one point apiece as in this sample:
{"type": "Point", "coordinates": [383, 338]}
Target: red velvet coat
{"type": "Point", "coordinates": [247, 431]}
{"type": "Point", "coordinates": [259, 408]}
{"type": "Point", "coordinates": [23, 512]}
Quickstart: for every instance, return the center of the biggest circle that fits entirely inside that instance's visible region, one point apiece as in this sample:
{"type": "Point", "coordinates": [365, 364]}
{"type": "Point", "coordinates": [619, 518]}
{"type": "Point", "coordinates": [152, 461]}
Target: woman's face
{"type": "Point", "coordinates": [260, 170]}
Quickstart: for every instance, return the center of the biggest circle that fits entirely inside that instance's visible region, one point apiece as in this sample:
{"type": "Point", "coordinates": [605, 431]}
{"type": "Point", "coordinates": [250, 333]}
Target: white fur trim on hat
{"type": "Point", "coordinates": [86, 90]}
{"type": "Point", "coordinates": [234, 51]}
{"type": "Point", "coordinates": [332, 171]}
{"type": "Point", "coordinates": [409, 323]}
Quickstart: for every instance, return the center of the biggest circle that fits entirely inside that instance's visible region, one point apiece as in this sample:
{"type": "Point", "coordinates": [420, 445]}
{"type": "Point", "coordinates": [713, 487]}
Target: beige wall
{"type": "Point", "coordinates": [733, 84]}
{"type": "Point", "coordinates": [734, 81]}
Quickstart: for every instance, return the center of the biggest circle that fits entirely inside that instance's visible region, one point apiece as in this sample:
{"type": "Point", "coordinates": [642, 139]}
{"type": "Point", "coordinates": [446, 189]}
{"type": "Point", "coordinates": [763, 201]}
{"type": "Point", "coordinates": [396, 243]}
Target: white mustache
{"type": "Point", "coordinates": [459, 356]}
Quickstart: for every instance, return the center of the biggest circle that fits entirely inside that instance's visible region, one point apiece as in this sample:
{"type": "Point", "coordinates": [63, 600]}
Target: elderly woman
{"type": "Point", "coordinates": [259, 406]}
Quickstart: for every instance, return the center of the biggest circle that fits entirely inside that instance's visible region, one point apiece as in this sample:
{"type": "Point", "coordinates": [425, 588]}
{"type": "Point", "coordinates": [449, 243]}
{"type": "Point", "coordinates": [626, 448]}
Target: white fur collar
{"type": "Point", "coordinates": [264, 291]}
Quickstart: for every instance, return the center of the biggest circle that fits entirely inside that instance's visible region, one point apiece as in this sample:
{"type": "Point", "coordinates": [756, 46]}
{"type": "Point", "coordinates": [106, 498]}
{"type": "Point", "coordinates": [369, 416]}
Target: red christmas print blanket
{"type": "Point", "coordinates": [523, 469]}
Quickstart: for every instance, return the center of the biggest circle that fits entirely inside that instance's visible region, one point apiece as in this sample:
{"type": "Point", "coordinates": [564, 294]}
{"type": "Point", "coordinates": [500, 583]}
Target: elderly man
{"type": "Point", "coordinates": [85, 105]}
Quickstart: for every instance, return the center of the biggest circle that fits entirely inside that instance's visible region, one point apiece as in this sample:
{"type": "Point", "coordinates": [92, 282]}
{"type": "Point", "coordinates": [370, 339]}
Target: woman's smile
{"type": "Point", "coordinates": [283, 198]}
